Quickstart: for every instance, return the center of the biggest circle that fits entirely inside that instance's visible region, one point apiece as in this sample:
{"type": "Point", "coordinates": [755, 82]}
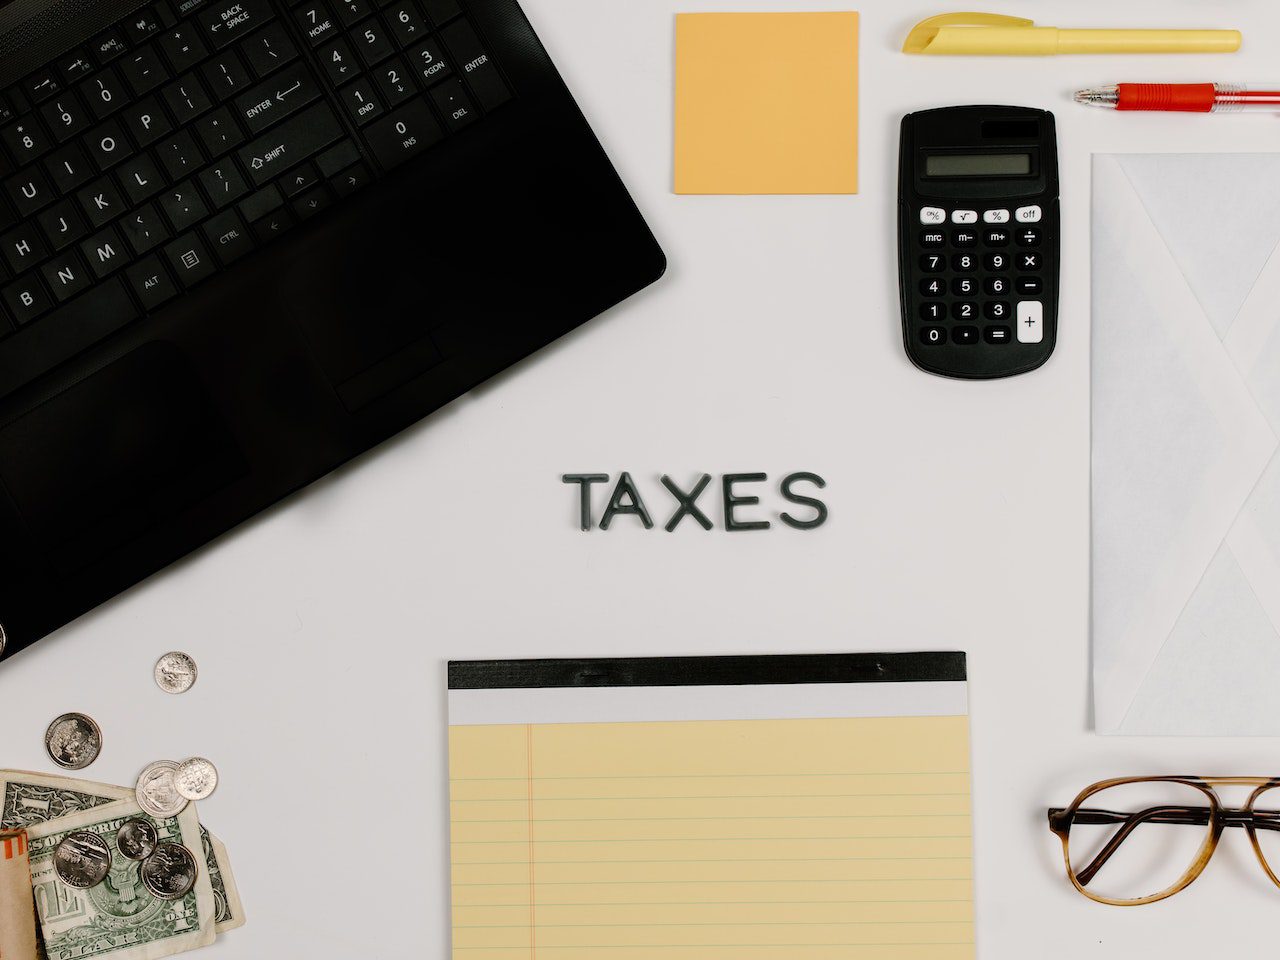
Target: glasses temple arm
{"type": "Point", "coordinates": [1195, 816]}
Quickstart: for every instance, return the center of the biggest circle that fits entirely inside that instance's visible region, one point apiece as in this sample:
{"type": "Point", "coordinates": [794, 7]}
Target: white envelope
{"type": "Point", "coordinates": [1186, 461]}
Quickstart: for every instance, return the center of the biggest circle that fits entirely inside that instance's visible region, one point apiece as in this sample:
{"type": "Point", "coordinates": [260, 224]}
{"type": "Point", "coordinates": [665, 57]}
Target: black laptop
{"type": "Point", "coordinates": [242, 241]}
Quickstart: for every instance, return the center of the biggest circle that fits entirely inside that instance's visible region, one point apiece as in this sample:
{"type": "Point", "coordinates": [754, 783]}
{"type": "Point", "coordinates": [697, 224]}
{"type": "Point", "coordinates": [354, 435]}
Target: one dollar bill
{"type": "Point", "coordinates": [27, 799]}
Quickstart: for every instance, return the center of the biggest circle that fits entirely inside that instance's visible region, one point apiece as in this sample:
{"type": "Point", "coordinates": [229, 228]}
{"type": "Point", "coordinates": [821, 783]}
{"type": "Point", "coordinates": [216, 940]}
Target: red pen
{"type": "Point", "coordinates": [1185, 97]}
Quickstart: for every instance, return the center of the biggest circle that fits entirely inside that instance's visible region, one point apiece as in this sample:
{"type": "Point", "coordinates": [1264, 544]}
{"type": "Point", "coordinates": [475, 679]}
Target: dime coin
{"type": "Point", "coordinates": [156, 793]}
{"type": "Point", "coordinates": [73, 741]}
{"type": "Point", "coordinates": [196, 778]}
{"type": "Point", "coordinates": [170, 872]}
{"type": "Point", "coordinates": [137, 839]}
{"type": "Point", "coordinates": [175, 672]}
{"type": "Point", "coordinates": [82, 859]}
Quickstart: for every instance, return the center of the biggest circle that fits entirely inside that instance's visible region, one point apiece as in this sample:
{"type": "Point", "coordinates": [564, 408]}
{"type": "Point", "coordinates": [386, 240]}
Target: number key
{"type": "Point", "coordinates": [406, 23]}
{"type": "Point", "coordinates": [393, 81]}
{"type": "Point", "coordinates": [995, 286]}
{"type": "Point", "coordinates": [996, 310]}
{"type": "Point", "coordinates": [932, 311]}
{"type": "Point", "coordinates": [933, 288]}
{"type": "Point", "coordinates": [25, 140]}
{"type": "Point", "coordinates": [404, 134]}
{"type": "Point", "coordinates": [362, 102]}
{"type": "Point", "coordinates": [372, 42]}
{"type": "Point", "coordinates": [104, 93]}
{"type": "Point", "coordinates": [964, 262]}
{"type": "Point", "coordinates": [429, 61]}
{"type": "Point", "coordinates": [964, 286]}
{"type": "Point", "coordinates": [996, 261]}
{"type": "Point", "coordinates": [933, 263]}
{"type": "Point", "coordinates": [964, 311]}
{"type": "Point", "coordinates": [933, 335]}
{"type": "Point", "coordinates": [316, 22]}
{"type": "Point", "coordinates": [352, 11]}
{"type": "Point", "coordinates": [339, 62]}
{"type": "Point", "coordinates": [65, 117]}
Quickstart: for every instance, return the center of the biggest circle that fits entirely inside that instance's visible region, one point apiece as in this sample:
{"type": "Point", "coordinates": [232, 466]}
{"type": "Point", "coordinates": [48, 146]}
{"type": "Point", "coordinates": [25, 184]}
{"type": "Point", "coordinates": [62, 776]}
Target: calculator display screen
{"type": "Point", "coordinates": [977, 165]}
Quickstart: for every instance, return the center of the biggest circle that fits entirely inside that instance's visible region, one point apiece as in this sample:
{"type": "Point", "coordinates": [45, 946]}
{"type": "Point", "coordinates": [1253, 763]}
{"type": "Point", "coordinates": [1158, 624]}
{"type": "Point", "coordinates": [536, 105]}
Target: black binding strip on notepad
{"type": "Point", "coordinates": [707, 671]}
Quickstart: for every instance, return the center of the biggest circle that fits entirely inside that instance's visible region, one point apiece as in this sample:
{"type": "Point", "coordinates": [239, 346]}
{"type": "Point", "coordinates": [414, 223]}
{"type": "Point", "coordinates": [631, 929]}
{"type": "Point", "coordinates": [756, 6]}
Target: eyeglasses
{"type": "Point", "coordinates": [1137, 840]}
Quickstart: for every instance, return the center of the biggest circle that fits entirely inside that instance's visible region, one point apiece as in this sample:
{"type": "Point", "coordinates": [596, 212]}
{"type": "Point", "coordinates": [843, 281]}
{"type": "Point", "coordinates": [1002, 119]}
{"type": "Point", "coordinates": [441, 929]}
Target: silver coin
{"type": "Point", "coordinates": [196, 778]}
{"type": "Point", "coordinates": [137, 839]}
{"type": "Point", "coordinates": [175, 672]}
{"type": "Point", "coordinates": [82, 859]}
{"type": "Point", "coordinates": [170, 872]}
{"type": "Point", "coordinates": [156, 792]}
{"type": "Point", "coordinates": [73, 741]}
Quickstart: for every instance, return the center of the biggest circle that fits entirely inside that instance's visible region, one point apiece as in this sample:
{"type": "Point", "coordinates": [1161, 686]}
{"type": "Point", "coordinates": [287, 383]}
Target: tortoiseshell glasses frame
{"type": "Point", "coordinates": [1212, 815]}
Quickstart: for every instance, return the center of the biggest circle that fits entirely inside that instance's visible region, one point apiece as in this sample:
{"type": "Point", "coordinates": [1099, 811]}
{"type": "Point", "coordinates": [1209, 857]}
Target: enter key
{"type": "Point", "coordinates": [271, 101]}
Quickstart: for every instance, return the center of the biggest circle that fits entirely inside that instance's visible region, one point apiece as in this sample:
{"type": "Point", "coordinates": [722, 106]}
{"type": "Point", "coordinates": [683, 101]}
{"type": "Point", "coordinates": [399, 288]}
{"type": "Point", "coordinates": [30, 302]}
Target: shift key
{"type": "Point", "coordinates": [301, 136]}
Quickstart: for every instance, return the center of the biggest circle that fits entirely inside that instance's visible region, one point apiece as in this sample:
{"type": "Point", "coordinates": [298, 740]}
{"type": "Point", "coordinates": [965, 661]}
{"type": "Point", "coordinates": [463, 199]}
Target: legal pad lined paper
{"type": "Point", "coordinates": [807, 808]}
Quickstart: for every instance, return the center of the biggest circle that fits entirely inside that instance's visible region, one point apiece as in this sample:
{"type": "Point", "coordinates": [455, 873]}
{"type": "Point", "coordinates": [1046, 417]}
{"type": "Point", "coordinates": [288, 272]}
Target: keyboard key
{"type": "Point", "coordinates": [269, 49]}
{"type": "Point", "coordinates": [143, 71]}
{"type": "Point", "coordinates": [23, 247]}
{"type": "Point", "coordinates": [272, 225]}
{"type": "Point", "coordinates": [933, 238]}
{"type": "Point", "coordinates": [183, 206]}
{"type": "Point", "coordinates": [75, 65]}
{"type": "Point", "coordinates": [108, 45]}
{"type": "Point", "coordinates": [964, 310]}
{"type": "Point", "coordinates": [301, 136]}
{"type": "Point", "coordinates": [29, 191]}
{"type": "Point", "coordinates": [316, 22]}
{"type": "Point", "coordinates": [1028, 237]}
{"type": "Point", "coordinates": [407, 24]}
{"type": "Point", "coordinates": [143, 229]}
{"type": "Point", "coordinates": [933, 335]}
{"type": "Point", "coordinates": [995, 286]}
{"type": "Point", "coordinates": [105, 252]}
{"type": "Point", "coordinates": [150, 282]}
{"type": "Point", "coordinates": [1032, 214]}
{"type": "Point", "coordinates": [1030, 321]}
{"type": "Point", "coordinates": [26, 299]}
{"type": "Point", "coordinates": [1000, 334]}
{"type": "Point", "coordinates": [223, 183]}
{"type": "Point", "coordinates": [404, 134]}
{"type": "Point", "coordinates": [393, 80]}
{"type": "Point", "coordinates": [42, 85]}
{"type": "Point", "coordinates": [65, 117]}
{"type": "Point", "coordinates": [183, 47]}
{"type": "Point", "coordinates": [964, 262]}
{"type": "Point", "coordinates": [996, 310]}
{"type": "Point", "coordinates": [339, 62]}
{"type": "Point", "coordinates": [429, 61]}
{"type": "Point", "coordinates": [352, 11]}
{"type": "Point", "coordinates": [936, 287]}
{"type": "Point", "coordinates": [996, 262]}
{"type": "Point", "coordinates": [219, 132]}
{"type": "Point", "coordinates": [108, 144]}
{"type": "Point", "coordinates": [474, 64]}
{"type": "Point", "coordinates": [363, 103]}
{"type": "Point", "coordinates": [453, 103]}
{"type": "Point", "coordinates": [1029, 285]}
{"type": "Point", "coordinates": [187, 99]}
{"type": "Point", "coordinates": [265, 201]}
{"type": "Point", "coordinates": [964, 238]}
{"type": "Point", "coordinates": [933, 263]}
{"type": "Point", "coordinates": [964, 335]}
{"type": "Point", "coordinates": [229, 20]}
{"type": "Point", "coordinates": [26, 140]}
{"type": "Point", "coordinates": [1030, 261]}
{"type": "Point", "coordinates": [933, 311]}
{"type": "Point", "coordinates": [996, 238]}
{"type": "Point", "coordinates": [142, 25]}
{"type": "Point", "coordinates": [146, 121]}
{"type": "Point", "coordinates": [338, 157]}
{"type": "Point", "coordinates": [278, 97]}
{"type": "Point", "coordinates": [441, 10]}
{"type": "Point", "coordinates": [65, 275]}
{"type": "Point", "coordinates": [7, 113]}
{"type": "Point", "coordinates": [299, 180]}
{"type": "Point", "coordinates": [227, 237]}
{"type": "Point", "coordinates": [226, 75]}
{"type": "Point", "coordinates": [372, 42]}
{"type": "Point", "coordinates": [101, 201]}
{"type": "Point", "coordinates": [311, 203]}
{"type": "Point", "coordinates": [62, 224]}
{"type": "Point", "coordinates": [104, 93]}
{"type": "Point", "coordinates": [964, 286]}
{"type": "Point", "coordinates": [141, 178]}
{"type": "Point", "coordinates": [179, 155]}
{"type": "Point", "coordinates": [351, 179]}
{"type": "Point", "coordinates": [189, 259]}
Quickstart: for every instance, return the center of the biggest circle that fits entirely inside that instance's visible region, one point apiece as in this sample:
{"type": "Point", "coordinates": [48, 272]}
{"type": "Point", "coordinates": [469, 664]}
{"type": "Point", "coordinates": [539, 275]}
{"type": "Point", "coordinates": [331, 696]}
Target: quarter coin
{"type": "Point", "coordinates": [156, 792]}
{"type": "Point", "coordinates": [73, 741]}
{"type": "Point", "coordinates": [170, 872]}
{"type": "Point", "coordinates": [137, 839]}
{"type": "Point", "coordinates": [82, 859]}
{"type": "Point", "coordinates": [175, 672]}
{"type": "Point", "coordinates": [196, 778]}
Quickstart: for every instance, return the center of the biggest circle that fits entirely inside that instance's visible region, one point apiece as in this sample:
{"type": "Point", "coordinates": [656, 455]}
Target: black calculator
{"type": "Point", "coordinates": [978, 240]}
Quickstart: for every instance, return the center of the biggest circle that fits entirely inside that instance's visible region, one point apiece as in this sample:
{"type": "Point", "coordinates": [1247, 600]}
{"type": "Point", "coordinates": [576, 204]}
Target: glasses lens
{"type": "Point", "coordinates": [1266, 818]}
{"type": "Point", "coordinates": [1138, 839]}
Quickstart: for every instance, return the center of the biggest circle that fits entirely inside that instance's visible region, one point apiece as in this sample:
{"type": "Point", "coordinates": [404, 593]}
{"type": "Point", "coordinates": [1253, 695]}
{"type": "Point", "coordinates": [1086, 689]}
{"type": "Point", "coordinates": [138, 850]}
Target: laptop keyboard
{"type": "Point", "coordinates": [183, 138]}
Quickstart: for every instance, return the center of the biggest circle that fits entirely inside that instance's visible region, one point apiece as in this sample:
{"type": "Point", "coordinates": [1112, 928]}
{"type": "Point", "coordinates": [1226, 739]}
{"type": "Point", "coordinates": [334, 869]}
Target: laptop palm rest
{"type": "Point", "coordinates": [111, 457]}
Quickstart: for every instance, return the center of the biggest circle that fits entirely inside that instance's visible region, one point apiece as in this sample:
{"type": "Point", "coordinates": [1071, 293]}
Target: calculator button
{"type": "Point", "coordinates": [964, 334]}
{"type": "Point", "coordinates": [932, 311]}
{"type": "Point", "coordinates": [964, 238]}
{"type": "Point", "coordinates": [964, 216]}
{"type": "Point", "coordinates": [1029, 261]}
{"type": "Point", "coordinates": [933, 238]}
{"type": "Point", "coordinates": [933, 335]}
{"type": "Point", "coordinates": [932, 216]}
{"type": "Point", "coordinates": [964, 311]}
{"type": "Point", "coordinates": [996, 261]}
{"type": "Point", "coordinates": [933, 263]}
{"type": "Point", "coordinates": [1030, 321]}
{"type": "Point", "coordinates": [997, 334]}
{"type": "Point", "coordinates": [1031, 214]}
{"type": "Point", "coordinates": [995, 286]}
{"type": "Point", "coordinates": [1030, 285]}
{"type": "Point", "coordinates": [996, 238]}
{"type": "Point", "coordinates": [996, 310]}
{"type": "Point", "coordinates": [996, 216]}
{"type": "Point", "coordinates": [964, 286]}
{"type": "Point", "coordinates": [1028, 237]}
{"type": "Point", "coordinates": [964, 262]}
{"type": "Point", "coordinates": [933, 288]}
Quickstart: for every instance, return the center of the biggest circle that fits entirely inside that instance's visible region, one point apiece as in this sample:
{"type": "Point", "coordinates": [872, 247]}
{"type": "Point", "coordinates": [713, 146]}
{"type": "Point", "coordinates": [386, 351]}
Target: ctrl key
{"type": "Point", "coordinates": [404, 134]}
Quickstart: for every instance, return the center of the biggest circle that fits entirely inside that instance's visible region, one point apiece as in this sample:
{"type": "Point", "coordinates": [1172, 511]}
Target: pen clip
{"type": "Point", "coordinates": [922, 33]}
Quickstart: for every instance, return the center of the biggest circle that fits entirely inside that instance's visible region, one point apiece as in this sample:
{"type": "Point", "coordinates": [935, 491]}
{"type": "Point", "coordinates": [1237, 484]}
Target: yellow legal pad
{"type": "Point", "coordinates": [766, 103]}
{"type": "Point", "coordinates": [793, 838]}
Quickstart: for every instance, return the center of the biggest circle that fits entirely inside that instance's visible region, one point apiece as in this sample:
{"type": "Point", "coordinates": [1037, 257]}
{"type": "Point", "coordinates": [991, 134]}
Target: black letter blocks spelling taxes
{"type": "Point", "coordinates": [737, 497]}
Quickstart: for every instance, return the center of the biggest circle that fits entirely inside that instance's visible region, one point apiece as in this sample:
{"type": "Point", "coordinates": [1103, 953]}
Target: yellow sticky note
{"type": "Point", "coordinates": [766, 103]}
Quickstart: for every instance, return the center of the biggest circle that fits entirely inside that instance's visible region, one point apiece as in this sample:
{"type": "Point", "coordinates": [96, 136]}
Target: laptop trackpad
{"type": "Point", "coordinates": [124, 450]}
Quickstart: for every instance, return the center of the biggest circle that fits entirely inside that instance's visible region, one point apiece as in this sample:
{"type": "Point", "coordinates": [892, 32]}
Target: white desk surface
{"type": "Point", "coordinates": [959, 519]}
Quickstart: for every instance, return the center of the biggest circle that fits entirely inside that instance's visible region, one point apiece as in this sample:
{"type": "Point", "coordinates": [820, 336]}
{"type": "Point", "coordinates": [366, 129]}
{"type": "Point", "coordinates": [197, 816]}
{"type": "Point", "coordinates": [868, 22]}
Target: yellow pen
{"type": "Point", "coordinates": [990, 34]}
